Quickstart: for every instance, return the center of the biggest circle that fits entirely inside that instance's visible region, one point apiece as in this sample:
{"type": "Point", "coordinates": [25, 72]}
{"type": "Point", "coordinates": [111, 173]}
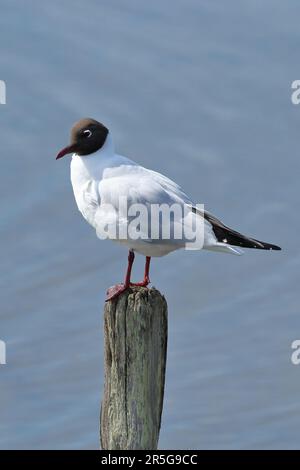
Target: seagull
{"type": "Point", "coordinates": [100, 177]}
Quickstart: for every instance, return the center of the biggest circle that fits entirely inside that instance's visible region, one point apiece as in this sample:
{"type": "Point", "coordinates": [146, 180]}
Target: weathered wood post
{"type": "Point", "coordinates": [135, 341]}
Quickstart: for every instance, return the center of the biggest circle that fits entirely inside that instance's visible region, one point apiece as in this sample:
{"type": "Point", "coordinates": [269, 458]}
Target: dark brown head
{"type": "Point", "coordinates": [87, 136]}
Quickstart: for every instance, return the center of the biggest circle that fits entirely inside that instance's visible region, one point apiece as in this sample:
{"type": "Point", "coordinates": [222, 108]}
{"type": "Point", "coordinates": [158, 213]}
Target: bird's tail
{"type": "Point", "coordinates": [227, 236]}
{"type": "Point", "coordinates": [223, 248]}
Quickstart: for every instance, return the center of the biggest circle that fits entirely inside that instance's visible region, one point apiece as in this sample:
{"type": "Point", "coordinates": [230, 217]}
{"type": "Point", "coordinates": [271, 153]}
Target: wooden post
{"type": "Point", "coordinates": [135, 341]}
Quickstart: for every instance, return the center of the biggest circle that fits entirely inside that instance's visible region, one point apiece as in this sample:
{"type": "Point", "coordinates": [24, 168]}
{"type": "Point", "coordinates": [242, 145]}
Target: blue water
{"type": "Point", "coordinates": [199, 90]}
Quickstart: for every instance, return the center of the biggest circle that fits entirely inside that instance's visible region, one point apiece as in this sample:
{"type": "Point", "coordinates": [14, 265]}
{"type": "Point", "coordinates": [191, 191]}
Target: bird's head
{"type": "Point", "coordinates": [87, 136]}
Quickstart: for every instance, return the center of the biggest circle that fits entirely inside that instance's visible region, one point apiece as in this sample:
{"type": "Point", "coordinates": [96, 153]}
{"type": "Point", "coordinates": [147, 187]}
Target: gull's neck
{"type": "Point", "coordinates": [108, 147]}
{"type": "Point", "coordinates": [93, 165]}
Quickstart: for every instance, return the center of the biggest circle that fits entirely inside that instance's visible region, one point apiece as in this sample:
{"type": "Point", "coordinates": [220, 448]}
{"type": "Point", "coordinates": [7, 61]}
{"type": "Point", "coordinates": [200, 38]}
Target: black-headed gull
{"type": "Point", "coordinates": [100, 178]}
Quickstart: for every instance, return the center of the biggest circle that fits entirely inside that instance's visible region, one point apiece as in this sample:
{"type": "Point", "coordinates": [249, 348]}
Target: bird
{"type": "Point", "coordinates": [100, 177]}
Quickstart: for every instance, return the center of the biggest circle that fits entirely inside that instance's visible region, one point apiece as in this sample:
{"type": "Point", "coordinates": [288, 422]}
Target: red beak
{"type": "Point", "coordinates": [65, 151]}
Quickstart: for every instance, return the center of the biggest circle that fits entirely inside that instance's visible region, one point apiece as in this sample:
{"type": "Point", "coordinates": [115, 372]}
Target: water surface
{"type": "Point", "coordinates": [200, 92]}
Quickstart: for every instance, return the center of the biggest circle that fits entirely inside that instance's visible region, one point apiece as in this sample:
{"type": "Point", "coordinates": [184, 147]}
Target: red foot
{"type": "Point", "coordinates": [114, 291]}
{"type": "Point", "coordinates": [144, 283]}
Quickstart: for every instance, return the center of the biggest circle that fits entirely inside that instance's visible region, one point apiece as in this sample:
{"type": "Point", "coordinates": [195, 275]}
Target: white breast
{"type": "Point", "coordinates": [88, 171]}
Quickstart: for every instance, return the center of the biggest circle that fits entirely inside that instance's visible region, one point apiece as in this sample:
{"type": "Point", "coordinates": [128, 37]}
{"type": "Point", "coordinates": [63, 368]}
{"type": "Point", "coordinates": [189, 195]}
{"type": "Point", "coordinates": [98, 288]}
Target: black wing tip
{"type": "Point", "coordinates": [275, 248]}
{"type": "Point", "coordinates": [265, 246]}
{"type": "Point", "coordinates": [227, 235]}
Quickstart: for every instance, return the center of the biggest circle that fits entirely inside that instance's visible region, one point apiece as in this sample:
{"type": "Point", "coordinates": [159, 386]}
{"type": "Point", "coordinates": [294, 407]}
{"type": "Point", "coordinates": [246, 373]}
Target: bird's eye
{"type": "Point", "coordinates": [87, 133]}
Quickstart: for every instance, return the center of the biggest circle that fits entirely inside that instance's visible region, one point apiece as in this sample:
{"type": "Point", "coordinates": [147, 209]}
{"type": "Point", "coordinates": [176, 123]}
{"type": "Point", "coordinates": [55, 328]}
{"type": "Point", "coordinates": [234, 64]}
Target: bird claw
{"type": "Point", "coordinates": [144, 283]}
{"type": "Point", "coordinates": [114, 291]}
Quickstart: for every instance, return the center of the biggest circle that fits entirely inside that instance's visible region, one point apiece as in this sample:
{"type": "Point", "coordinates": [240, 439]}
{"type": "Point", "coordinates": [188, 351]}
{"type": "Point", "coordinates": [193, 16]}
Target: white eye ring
{"type": "Point", "coordinates": [87, 133]}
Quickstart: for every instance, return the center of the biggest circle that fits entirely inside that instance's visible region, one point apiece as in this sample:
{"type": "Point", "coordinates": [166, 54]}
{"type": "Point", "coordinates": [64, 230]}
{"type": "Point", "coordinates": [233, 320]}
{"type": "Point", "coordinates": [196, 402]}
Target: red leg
{"type": "Point", "coordinates": [114, 291]}
{"type": "Point", "coordinates": [146, 279]}
{"type": "Point", "coordinates": [129, 268]}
